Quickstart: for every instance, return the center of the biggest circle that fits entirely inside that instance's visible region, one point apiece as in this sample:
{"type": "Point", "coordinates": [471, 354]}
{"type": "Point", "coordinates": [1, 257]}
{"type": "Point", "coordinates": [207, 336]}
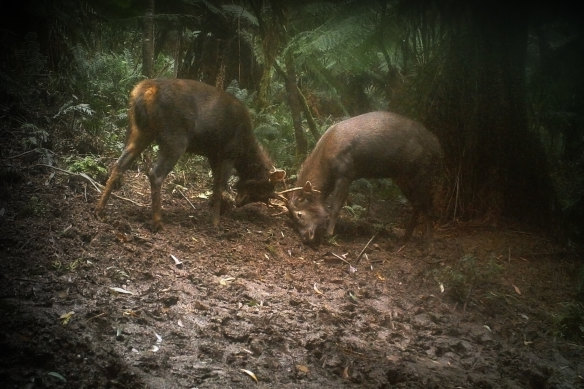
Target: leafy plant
{"type": "Point", "coordinates": [570, 321]}
{"type": "Point", "coordinates": [468, 276]}
{"type": "Point", "coordinates": [34, 207]}
{"type": "Point", "coordinates": [33, 136]}
{"type": "Point", "coordinates": [90, 164]}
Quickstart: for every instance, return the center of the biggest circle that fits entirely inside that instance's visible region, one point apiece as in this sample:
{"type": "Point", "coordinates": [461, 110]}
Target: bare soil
{"type": "Point", "coordinates": [88, 303]}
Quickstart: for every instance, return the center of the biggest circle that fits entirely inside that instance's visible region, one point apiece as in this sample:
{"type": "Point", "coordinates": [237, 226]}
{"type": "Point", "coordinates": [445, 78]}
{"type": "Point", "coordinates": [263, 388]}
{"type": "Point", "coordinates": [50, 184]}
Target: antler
{"type": "Point", "coordinates": [290, 190]}
{"type": "Point", "coordinates": [279, 196]}
{"type": "Point", "coordinates": [295, 189]}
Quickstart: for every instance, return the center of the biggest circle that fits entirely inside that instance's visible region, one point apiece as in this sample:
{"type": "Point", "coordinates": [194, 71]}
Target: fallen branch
{"type": "Point", "coordinates": [28, 152]}
{"type": "Point", "coordinates": [185, 197]}
{"type": "Point", "coordinates": [352, 269]}
{"type": "Point", "coordinates": [365, 248]}
{"type": "Point", "coordinates": [96, 185]}
{"type": "Point", "coordinates": [341, 258]}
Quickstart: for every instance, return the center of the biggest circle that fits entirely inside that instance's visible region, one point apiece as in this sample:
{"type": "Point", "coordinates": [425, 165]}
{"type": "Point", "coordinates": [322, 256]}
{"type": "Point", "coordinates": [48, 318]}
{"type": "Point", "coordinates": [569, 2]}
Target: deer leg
{"type": "Point", "coordinates": [128, 156]}
{"type": "Point", "coordinates": [221, 172]}
{"type": "Point", "coordinates": [164, 164]}
{"type": "Point", "coordinates": [411, 224]}
{"type": "Point", "coordinates": [420, 196]}
{"type": "Point", "coordinates": [335, 201]}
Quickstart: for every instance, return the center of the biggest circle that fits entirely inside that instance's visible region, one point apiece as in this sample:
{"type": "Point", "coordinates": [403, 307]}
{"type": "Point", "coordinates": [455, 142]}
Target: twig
{"type": "Point", "coordinates": [26, 152]}
{"type": "Point", "coordinates": [365, 248]}
{"type": "Point", "coordinates": [95, 317]}
{"type": "Point", "coordinates": [400, 249]}
{"type": "Point", "coordinates": [466, 300]}
{"type": "Point", "coordinates": [34, 281]}
{"type": "Point", "coordinates": [96, 185]}
{"type": "Point", "coordinates": [129, 200]}
{"type": "Point", "coordinates": [342, 259]}
{"type": "Point", "coordinates": [185, 197]}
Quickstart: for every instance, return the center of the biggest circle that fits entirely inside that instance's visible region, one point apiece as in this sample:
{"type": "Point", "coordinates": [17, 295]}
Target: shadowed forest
{"type": "Point", "coordinates": [493, 297]}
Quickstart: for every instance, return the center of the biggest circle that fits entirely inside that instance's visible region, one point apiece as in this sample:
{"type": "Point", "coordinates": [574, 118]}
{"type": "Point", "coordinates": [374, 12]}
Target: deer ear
{"type": "Point", "coordinates": [277, 175]}
{"type": "Point", "coordinates": [307, 187]}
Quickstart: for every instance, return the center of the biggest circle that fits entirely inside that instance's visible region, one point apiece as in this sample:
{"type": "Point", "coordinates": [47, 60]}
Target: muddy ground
{"type": "Point", "coordinates": [89, 303]}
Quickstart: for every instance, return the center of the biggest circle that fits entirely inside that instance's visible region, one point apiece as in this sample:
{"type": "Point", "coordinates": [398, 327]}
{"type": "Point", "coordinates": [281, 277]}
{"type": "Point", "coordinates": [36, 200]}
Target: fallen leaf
{"type": "Point", "coordinates": [346, 372]}
{"type": "Point", "coordinates": [155, 349]}
{"type": "Point", "coordinates": [316, 289]}
{"type": "Point", "coordinates": [57, 375]}
{"type": "Point", "coordinates": [158, 338]}
{"type": "Point", "coordinates": [204, 195]}
{"type": "Point", "coordinates": [180, 323]}
{"type": "Point", "coordinates": [176, 260]}
{"type": "Point", "coordinates": [131, 312]}
{"type": "Point", "coordinates": [380, 277]}
{"type": "Point", "coordinates": [516, 289]}
{"type": "Point", "coordinates": [120, 290]}
{"type": "Point", "coordinates": [226, 280]}
{"type": "Point", "coordinates": [251, 374]}
{"type": "Point", "coordinates": [302, 368]}
{"type": "Point", "coordinates": [441, 287]}
{"type": "Point", "coordinates": [66, 317]}
{"type": "Point", "coordinates": [122, 237]}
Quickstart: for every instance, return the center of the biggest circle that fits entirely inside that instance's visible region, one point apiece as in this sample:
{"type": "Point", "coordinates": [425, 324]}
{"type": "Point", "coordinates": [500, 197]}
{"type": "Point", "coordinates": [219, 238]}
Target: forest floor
{"type": "Point", "coordinates": [89, 303]}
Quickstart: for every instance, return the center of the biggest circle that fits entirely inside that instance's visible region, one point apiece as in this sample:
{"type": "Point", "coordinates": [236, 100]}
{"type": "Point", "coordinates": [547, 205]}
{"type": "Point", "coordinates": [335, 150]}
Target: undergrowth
{"type": "Point", "coordinates": [469, 278]}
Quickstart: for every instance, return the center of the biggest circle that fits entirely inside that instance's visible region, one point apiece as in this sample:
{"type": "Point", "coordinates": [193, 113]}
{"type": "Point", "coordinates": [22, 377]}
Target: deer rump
{"type": "Point", "coordinates": [372, 145]}
{"type": "Point", "coordinates": [186, 116]}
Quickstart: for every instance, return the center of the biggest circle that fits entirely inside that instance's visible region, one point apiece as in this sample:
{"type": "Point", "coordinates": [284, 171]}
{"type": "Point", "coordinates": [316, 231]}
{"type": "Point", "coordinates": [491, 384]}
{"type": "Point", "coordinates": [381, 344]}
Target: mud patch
{"type": "Point", "coordinates": [90, 303]}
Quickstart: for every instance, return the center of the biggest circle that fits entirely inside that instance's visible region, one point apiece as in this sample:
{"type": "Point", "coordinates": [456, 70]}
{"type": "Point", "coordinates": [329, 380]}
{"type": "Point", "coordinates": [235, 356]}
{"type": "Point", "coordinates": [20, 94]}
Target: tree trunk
{"type": "Point", "coordinates": [497, 165]}
{"type": "Point", "coordinates": [295, 108]}
{"type": "Point", "coordinates": [148, 42]}
{"type": "Point", "coordinates": [308, 115]}
{"type": "Point", "coordinates": [272, 22]}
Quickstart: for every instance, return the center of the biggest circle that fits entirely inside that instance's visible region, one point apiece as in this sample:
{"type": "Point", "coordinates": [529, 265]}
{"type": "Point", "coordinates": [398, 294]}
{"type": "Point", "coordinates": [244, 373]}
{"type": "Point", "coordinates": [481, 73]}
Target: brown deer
{"type": "Point", "coordinates": [372, 145]}
{"type": "Point", "coordinates": [186, 116]}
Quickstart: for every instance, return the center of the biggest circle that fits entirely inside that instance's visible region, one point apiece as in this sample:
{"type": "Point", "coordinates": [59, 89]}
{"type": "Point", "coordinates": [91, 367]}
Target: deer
{"type": "Point", "coordinates": [188, 116]}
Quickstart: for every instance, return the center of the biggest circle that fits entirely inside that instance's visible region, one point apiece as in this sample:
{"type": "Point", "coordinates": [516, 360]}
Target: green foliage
{"type": "Point", "coordinates": [22, 72]}
{"type": "Point", "coordinates": [239, 12]}
{"type": "Point", "coordinates": [355, 210]}
{"type": "Point", "coordinates": [272, 126]}
{"type": "Point", "coordinates": [90, 164]}
{"type": "Point", "coordinates": [469, 275]}
{"type": "Point", "coordinates": [33, 207]}
{"type": "Point", "coordinates": [33, 136]}
{"type": "Point", "coordinates": [243, 95]}
{"type": "Point", "coordinates": [570, 321]}
{"type": "Point", "coordinates": [95, 116]}
{"type": "Point", "coordinates": [341, 43]}
{"type": "Point", "coordinates": [275, 131]}
{"type": "Point", "coordinates": [104, 80]}
{"type": "Point", "coordinates": [66, 267]}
